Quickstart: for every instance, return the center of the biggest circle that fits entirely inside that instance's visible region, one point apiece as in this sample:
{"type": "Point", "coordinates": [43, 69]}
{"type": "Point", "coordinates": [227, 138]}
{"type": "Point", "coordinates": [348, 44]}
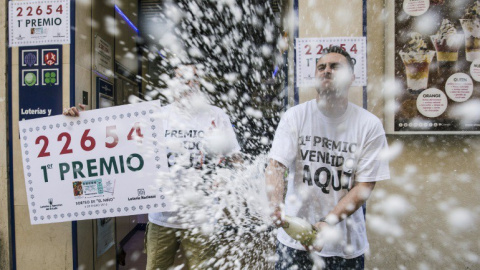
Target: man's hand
{"type": "Point", "coordinates": [319, 226]}
{"type": "Point", "coordinates": [317, 245]}
{"type": "Point", "coordinates": [73, 111]}
{"type": "Point", "coordinates": [277, 217]}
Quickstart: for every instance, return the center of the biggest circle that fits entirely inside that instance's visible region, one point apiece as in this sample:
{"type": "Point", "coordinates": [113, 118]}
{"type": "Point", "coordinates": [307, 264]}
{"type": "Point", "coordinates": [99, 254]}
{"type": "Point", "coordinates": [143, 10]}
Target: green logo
{"type": "Point", "coordinates": [50, 77]}
{"type": "Point", "coordinates": [30, 79]}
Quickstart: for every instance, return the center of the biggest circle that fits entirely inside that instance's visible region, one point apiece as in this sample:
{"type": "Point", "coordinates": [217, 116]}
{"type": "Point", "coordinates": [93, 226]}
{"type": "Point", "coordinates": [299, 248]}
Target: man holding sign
{"type": "Point", "coordinates": [197, 136]}
{"type": "Point", "coordinates": [332, 149]}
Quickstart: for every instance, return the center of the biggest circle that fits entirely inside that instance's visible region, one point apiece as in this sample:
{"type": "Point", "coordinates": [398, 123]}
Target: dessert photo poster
{"type": "Point", "coordinates": [437, 66]}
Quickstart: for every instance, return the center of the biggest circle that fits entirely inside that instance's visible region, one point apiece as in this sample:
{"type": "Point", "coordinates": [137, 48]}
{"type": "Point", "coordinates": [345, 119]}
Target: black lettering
{"type": "Point", "coordinates": [47, 21]}
{"type": "Point", "coordinates": [335, 187]}
{"type": "Point", "coordinates": [316, 140]}
{"type": "Point", "coordinates": [171, 159]}
{"type": "Point", "coordinates": [108, 167]}
{"type": "Point", "coordinates": [339, 162]}
{"type": "Point", "coordinates": [77, 169]}
{"type": "Point", "coordinates": [333, 160]}
{"type": "Point", "coordinates": [312, 156]}
{"type": "Point", "coordinates": [345, 144]}
{"type": "Point", "coordinates": [91, 167]}
{"type": "Point", "coordinates": [324, 142]}
{"type": "Point", "coordinates": [307, 177]}
{"type": "Point", "coordinates": [344, 180]}
{"type": "Point", "coordinates": [323, 186]}
{"type": "Point", "coordinates": [64, 168]}
{"type": "Point", "coordinates": [327, 158]}
{"type": "Point", "coordinates": [122, 168]}
{"type": "Point", "coordinates": [301, 141]}
{"type": "Point", "coordinates": [140, 160]}
{"type": "Point", "coordinates": [323, 156]}
{"type": "Point", "coordinates": [352, 148]}
{"type": "Point", "coordinates": [336, 146]}
{"type": "Point", "coordinates": [304, 156]}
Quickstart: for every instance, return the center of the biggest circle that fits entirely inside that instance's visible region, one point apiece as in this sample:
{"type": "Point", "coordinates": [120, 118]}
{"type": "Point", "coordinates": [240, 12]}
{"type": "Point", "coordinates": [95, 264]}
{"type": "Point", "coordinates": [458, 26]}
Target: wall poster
{"type": "Point", "coordinates": [308, 50]}
{"type": "Point", "coordinates": [436, 66]}
{"type": "Point", "coordinates": [33, 23]}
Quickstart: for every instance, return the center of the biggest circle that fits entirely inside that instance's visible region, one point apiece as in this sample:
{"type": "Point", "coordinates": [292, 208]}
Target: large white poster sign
{"type": "Point", "coordinates": [34, 23]}
{"type": "Point", "coordinates": [105, 163]}
{"type": "Point", "coordinates": [310, 49]}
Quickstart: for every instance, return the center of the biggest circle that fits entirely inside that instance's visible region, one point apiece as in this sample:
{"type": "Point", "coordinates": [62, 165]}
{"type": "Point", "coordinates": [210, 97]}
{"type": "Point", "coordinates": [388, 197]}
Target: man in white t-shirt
{"type": "Point", "coordinates": [332, 150]}
{"type": "Point", "coordinates": [192, 129]}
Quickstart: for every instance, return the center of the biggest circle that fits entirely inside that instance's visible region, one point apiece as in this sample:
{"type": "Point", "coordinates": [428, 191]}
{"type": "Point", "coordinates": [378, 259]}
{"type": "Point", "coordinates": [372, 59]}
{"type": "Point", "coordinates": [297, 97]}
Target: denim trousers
{"type": "Point", "coordinates": [294, 259]}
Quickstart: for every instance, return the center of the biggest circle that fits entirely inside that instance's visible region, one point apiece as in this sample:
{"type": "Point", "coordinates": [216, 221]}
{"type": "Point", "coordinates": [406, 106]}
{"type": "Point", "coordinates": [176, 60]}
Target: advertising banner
{"type": "Point", "coordinates": [105, 163]}
{"type": "Point", "coordinates": [437, 66]}
{"type": "Point", "coordinates": [310, 49]}
{"type": "Point", "coordinates": [45, 22]}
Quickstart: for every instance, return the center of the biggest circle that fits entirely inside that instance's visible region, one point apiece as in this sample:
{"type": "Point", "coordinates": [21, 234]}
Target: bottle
{"type": "Point", "coordinates": [300, 230]}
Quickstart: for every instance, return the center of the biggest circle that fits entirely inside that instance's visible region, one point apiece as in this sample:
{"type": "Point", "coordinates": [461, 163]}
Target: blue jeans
{"type": "Point", "coordinates": [294, 259]}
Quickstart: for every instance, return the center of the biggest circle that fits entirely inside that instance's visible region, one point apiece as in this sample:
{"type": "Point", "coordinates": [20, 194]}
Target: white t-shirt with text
{"type": "Point", "coordinates": [320, 154]}
{"type": "Point", "coordinates": [185, 134]}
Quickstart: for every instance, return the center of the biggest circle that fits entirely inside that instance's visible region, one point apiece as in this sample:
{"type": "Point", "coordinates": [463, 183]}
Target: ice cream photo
{"type": "Point", "coordinates": [417, 58]}
{"type": "Point", "coordinates": [471, 27]}
{"type": "Point", "coordinates": [447, 42]}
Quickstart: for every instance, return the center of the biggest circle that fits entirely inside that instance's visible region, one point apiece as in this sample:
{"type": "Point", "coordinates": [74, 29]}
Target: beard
{"type": "Point", "coordinates": [334, 85]}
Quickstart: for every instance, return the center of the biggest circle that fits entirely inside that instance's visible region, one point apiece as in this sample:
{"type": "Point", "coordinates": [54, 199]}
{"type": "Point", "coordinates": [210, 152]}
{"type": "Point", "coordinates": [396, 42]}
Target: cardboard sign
{"type": "Point", "coordinates": [104, 163]}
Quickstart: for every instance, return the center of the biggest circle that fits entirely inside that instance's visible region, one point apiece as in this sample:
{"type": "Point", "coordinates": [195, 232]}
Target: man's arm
{"type": "Point", "coordinates": [354, 199]}
{"type": "Point", "coordinates": [275, 187]}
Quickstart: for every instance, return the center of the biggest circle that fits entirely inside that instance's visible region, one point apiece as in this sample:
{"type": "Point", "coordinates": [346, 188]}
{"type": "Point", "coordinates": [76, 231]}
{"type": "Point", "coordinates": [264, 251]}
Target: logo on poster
{"type": "Point", "coordinates": [30, 79]}
{"type": "Point", "coordinates": [50, 205]}
{"type": "Point", "coordinates": [50, 58]}
{"type": "Point", "coordinates": [30, 59]}
{"type": "Point", "coordinates": [50, 78]}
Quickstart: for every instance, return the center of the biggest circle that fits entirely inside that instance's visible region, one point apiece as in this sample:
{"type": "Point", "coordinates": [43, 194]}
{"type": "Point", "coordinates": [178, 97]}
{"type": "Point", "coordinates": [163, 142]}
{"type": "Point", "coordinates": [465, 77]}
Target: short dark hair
{"type": "Point", "coordinates": [337, 49]}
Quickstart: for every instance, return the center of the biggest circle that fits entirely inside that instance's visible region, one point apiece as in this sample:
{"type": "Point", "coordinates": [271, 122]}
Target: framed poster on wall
{"type": "Point", "coordinates": [309, 50]}
{"type": "Point", "coordinates": [433, 67]}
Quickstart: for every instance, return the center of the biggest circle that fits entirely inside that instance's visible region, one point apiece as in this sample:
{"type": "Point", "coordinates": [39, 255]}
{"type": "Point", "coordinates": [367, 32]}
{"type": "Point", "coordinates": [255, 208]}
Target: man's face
{"type": "Point", "coordinates": [187, 79]}
{"type": "Point", "coordinates": [333, 74]}
{"type": "Point", "coordinates": [185, 89]}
